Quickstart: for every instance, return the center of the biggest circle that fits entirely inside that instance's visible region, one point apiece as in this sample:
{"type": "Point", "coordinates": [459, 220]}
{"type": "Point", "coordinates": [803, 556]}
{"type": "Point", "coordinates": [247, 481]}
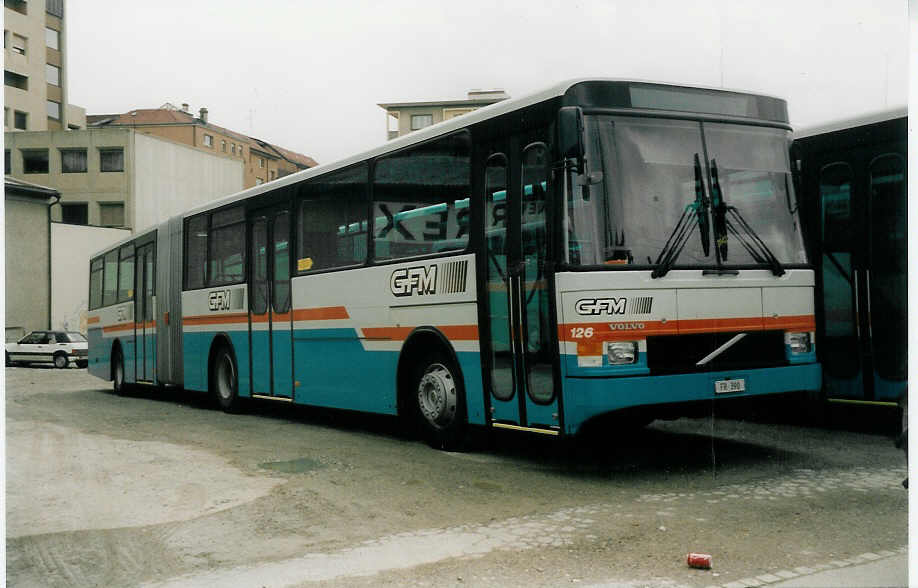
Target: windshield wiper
{"type": "Point", "coordinates": [728, 219]}
{"type": "Point", "coordinates": [696, 213]}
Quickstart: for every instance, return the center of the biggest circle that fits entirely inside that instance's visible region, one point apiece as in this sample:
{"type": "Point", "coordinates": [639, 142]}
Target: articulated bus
{"type": "Point", "coordinates": [853, 198]}
{"type": "Point", "coordinates": [601, 247]}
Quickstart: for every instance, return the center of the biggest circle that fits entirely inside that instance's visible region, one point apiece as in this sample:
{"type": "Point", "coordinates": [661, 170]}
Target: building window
{"type": "Point", "coordinates": [15, 80]}
{"type": "Point", "coordinates": [261, 162]}
{"type": "Point", "coordinates": [19, 6]}
{"type": "Point", "coordinates": [73, 161]}
{"type": "Point", "coordinates": [7, 162]}
{"type": "Point", "coordinates": [35, 161]}
{"type": "Point", "coordinates": [55, 8]}
{"type": "Point", "coordinates": [19, 44]}
{"type": "Point", "coordinates": [54, 109]}
{"type": "Point", "coordinates": [271, 175]}
{"type": "Point", "coordinates": [75, 214]}
{"type": "Point", "coordinates": [111, 214]}
{"type": "Point", "coordinates": [208, 141]}
{"type": "Point", "coordinates": [52, 74]}
{"type": "Point", "coordinates": [20, 120]}
{"type": "Point", "coordinates": [6, 117]}
{"type": "Point", "coordinates": [223, 146]}
{"type": "Point", "coordinates": [233, 149]}
{"type": "Point", "coordinates": [52, 39]}
{"type": "Point", "coordinates": [419, 121]}
{"type": "Point", "coordinates": [111, 160]}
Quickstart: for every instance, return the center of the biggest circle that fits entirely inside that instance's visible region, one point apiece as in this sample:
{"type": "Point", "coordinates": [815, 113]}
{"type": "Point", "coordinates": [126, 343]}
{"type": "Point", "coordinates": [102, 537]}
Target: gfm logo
{"type": "Point", "coordinates": [594, 306]}
{"type": "Point", "coordinates": [409, 281]}
{"type": "Point", "coordinates": [219, 300]}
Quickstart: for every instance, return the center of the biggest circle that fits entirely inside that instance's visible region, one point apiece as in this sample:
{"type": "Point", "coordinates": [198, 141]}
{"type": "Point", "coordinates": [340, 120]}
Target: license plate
{"type": "Point", "coordinates": [728, 386]}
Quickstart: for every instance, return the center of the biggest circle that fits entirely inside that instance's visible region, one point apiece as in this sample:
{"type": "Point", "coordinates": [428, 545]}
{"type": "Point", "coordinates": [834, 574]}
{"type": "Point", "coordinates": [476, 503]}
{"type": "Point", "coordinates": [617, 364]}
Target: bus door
{"type": "Point", "coordinates": [144, 323]}
{"type": "Point", "coordinates": [521, 356]}
{"type": "Point", "coordinates": [863, 276]}
{"type": "Point", "coordinates": [271, 334]}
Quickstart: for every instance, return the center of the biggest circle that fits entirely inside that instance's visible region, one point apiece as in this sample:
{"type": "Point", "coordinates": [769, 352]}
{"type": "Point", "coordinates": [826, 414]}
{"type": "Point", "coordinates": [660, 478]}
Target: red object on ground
{"type": "Point", "coordinates": [699, 560]}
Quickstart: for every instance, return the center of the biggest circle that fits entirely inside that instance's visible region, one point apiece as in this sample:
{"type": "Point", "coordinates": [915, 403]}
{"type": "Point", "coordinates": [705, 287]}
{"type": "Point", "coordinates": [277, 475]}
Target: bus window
{"type": "Point", "coordinates": [95, 283]}
{"type": "Point", "coordinates": [421, 199]}
{"type": "Point", "coordinates": [126, 273]}
{"type": "Point", "coordinates": [226, 260]}
{"type": "Point", "coordinates": [332, 220]}
{"type": "Point", "coordinates": [195, 252]}
{"type": "Point", "coordinates": [281, 290]}
{"type": "Point", "coordinates": [110, 290]}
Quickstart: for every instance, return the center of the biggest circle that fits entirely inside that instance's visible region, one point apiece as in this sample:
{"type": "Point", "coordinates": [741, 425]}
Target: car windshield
{"type": "Point", "coordinates": [647, 178]}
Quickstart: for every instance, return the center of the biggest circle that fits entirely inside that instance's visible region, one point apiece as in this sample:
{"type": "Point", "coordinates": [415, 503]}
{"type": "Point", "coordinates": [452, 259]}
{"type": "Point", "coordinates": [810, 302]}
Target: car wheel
{"type": "Point", "coordinates": [224, 380]}
{"type": "Point", "coordinates": [438, 402]}
{"type": "Point", "coordinates": [82, 363]}
{"type": "Point", "coordinates": [60, 360]}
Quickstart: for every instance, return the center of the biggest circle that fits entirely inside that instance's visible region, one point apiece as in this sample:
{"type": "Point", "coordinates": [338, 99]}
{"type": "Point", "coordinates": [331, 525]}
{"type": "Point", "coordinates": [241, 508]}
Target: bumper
{"type": "Point", "coordinates": [586, 398]}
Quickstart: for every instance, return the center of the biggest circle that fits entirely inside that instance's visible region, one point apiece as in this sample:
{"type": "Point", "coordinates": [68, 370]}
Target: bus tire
{"type": "Point", "coordinates": [437, 400]}
{"type": "Point", "coordinates": [118, 383]}
{"type": "Point", "coordinates": [60, 360]}
{"type": "Point", "coordinates": [224, 380]}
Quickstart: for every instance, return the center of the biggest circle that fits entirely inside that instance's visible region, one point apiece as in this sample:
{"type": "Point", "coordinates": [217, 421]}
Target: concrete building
{"type": "Point", "coordinates": [119, 177]}
{"type": "Point", "coordinates": [405, 117]}
{"type": "Point", "coordinates": [35, 68]}
{"type": "Point", "coordinates": [262, 161]}
{"type": "Point", "coordinates": [27, 233]}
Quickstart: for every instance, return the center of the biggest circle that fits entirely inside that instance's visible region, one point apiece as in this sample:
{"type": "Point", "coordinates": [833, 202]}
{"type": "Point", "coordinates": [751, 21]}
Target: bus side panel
{"type": "Point", "coordinates": [99, 353]}
{"type": "Point", "coordinates": [106, 327]}
{"type": "Point", "coordinates": [201, 325]}
{"type": "Point", "coordinates": [168, 303]}
{"type": "Point", "coordinates": [350, 327]}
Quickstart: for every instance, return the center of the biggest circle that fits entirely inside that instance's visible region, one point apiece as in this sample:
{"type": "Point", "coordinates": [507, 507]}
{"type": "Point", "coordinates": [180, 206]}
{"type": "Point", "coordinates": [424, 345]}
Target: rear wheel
{"type": "Point", "coordinates": [118, 373]}
{"type": "Point", "coordinates": [438, 401]}
{"type": "Point", "coordinates": [60, 360]}
{"type": "Point", "coordinates": [224, 380]}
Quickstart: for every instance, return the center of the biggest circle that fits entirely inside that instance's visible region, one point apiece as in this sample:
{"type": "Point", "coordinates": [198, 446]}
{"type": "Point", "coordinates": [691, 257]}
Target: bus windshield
{"type": "Point", "coordinates": [627, 213]}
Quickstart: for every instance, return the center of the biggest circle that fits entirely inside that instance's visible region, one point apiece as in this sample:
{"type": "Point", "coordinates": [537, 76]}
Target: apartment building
{"type": "Point", "coordinates": [262, 161]}
{"type": "Point", "coordinates": [35, 68]}
{"type": "Point", "coordinates": [405, 117]}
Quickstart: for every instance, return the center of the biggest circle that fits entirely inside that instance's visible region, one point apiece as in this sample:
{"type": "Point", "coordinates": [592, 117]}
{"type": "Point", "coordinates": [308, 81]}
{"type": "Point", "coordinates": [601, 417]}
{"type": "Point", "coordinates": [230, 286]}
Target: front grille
{"type": "Point", "coordinates": [675, 354]}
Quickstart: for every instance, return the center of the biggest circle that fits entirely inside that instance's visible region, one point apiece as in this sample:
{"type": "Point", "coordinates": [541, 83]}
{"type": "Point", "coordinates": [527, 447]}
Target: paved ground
{"type": "Point", "coordinates": [156, 489]}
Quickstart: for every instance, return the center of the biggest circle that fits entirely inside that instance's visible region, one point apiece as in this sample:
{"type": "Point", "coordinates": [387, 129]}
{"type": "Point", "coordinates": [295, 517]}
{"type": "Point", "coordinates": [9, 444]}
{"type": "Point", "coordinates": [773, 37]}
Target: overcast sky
{"type": "Point", "coordinates": [308, 75]}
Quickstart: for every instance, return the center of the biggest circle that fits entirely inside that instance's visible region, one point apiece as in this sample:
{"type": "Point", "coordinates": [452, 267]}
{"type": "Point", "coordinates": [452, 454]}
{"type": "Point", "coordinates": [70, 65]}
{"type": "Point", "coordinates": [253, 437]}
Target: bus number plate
{"type": "Point", "coordinates": [729, 386]}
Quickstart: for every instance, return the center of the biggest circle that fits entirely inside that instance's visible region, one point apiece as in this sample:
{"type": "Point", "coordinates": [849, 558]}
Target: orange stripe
{"type": "Point", "coordinates": [145, 325]}
{"type": "Point", "coordinates": [452, 332]}
{"type": "Point", "coordinates": [216, 319]}
{"type": "Point", "coordinates": [603, 332]}
{"type": "Point", "coordinates": [92, 320]}
{"type": "Point", "coordinates": [320, 314]}
{"type": "Point", "coordinates": [122, 327]}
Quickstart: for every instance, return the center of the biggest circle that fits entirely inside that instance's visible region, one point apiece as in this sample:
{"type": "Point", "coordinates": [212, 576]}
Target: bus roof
{"type": "Point", "coordinates": [442, 128]}
{"type": "Point", "coordinates": [852, 122]}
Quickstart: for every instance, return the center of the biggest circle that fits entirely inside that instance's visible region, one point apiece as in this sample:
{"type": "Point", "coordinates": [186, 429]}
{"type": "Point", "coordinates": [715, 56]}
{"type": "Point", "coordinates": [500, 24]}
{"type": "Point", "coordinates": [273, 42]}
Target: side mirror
{"type": "Point", "coordinates": [570, 135]}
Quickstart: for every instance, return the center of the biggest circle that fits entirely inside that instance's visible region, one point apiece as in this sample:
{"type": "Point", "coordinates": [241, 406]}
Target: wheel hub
{"type": "Point", "coordinates": [437, 396]}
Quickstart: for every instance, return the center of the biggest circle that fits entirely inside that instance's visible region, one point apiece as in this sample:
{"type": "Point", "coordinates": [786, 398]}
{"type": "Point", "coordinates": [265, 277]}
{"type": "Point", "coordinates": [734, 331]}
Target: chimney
{"type": "Point", "coordinates": [184, 107]}
{"type": "Point", "coordinates": [203, 115]}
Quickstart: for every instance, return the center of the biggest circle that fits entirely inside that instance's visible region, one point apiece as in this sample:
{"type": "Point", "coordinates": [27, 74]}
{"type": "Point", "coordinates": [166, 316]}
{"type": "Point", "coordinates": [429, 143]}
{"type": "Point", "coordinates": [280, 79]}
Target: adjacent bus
{"type": "Point", "coordinates": [600, 247]}
{"type": "Point", "coordinates": [854, 175]}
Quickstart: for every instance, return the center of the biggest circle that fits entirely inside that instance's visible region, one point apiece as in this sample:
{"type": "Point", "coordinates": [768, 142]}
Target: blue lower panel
{"type": "Point", "coordinates": [585, 398]}
{"type": "Point", "coordinates": [100, 354]}
{"type": "Point", "coordinates": [196, 352]}
{"type": "Point", "coordinates": [333, 370]}
{"type": "Point", "coordinates": [470, 364]}
{"type": "Point", "coordinates": [888, 390]}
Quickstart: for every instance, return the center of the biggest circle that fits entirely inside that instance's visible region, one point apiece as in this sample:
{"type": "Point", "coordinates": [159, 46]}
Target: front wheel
{"type": "Point", "coordinates": [60, 360]}
{"type": "Point", "coordinates": [224, 380]}
{"type": "Point", "coordinates": [438, 400]}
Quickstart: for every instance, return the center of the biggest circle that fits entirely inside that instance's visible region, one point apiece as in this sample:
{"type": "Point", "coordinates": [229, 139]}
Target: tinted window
{"type": "Point", "coordinates": [332, 220]}
{"type": "Point", "coordinates": [110, 289]}
{"type": "Point", "coordinates": [126, 274]}
{"type": "Point", "coordinates": [95, 284]}
{"type": "Point", "coordinates": [195, 252]}
{"type": "Point", "coordinates": [421, 199]}
{"type": "Point", "coordinates": [226, 262]}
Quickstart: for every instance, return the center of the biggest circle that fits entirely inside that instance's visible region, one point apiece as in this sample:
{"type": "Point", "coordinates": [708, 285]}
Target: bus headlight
{"type": "Point", "coordinates": [621, 352]}
{"type": "Point", "coordinates": [798, 342]}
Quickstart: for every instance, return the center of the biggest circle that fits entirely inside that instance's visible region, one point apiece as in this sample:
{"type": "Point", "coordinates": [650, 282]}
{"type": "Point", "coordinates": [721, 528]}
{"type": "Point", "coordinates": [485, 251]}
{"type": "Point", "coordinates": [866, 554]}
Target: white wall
{"type": "Point", "coordinates": [170, 178]}
{"type": "Point", "coordinates": [71, 248]}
